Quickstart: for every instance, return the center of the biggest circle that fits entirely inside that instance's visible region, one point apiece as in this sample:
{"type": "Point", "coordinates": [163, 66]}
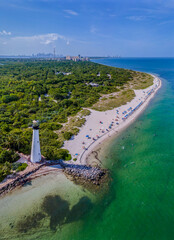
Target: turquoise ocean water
{"type": "Point", "coordinates": [139, 204]}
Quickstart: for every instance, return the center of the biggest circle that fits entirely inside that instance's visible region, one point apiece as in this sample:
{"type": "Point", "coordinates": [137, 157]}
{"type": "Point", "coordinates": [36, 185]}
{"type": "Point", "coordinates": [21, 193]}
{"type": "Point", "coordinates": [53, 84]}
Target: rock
{"type": "Point", "coordinates": [85, 173]}
{"type": "Point", "coordinates": [19, 181]}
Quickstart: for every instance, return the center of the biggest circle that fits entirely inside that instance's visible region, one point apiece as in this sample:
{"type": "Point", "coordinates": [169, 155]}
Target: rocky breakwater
{"type": "Point", "coordinates": [83, 173]}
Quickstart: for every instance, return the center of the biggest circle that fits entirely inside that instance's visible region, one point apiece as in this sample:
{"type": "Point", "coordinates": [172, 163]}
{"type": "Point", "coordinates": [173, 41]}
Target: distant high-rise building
{"type": "Point", "coordinates": [68, 58]}
{"type": "Point", "coordinates": [77, 58]}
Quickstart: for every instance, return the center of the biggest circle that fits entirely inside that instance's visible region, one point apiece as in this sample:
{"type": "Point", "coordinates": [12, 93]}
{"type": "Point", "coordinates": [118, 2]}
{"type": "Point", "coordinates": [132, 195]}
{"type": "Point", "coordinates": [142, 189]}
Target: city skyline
{"type": "Point", "coordinates": [90, 28]}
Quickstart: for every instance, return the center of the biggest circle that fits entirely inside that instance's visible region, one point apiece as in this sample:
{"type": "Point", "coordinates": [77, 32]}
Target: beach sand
{"type": "Point", "coordinates": [100, 126]}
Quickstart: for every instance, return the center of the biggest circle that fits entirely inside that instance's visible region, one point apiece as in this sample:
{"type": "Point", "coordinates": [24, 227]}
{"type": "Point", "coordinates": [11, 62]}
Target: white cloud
{"type": "Point", "coordinates": [71, 12]}
{"type": "Point", "coordinates": [136, 18]}
{"type": "Point", "coordinates": [43, 39]}
{"type": "Point", "coordinates": [5, 33]}
{"type": "Point", "coordinates": [93, 29]}
{"type": "Point", "coordinates": [97, 32]}
{"type": "Point", "coordinates": [166, 22]}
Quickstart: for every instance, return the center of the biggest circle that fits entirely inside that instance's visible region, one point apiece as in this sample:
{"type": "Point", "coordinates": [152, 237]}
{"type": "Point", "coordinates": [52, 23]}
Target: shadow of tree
{"type": "Point", "coordinates": [58, 211]}
{"type": "Point", "coordinates": [30, 222]}
{"type": "Point", "coordinates": [79, 210]}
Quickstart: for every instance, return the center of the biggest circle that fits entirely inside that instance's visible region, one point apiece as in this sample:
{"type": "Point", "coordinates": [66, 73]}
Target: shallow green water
{"type": "Point", "coordinates": [139, 204]}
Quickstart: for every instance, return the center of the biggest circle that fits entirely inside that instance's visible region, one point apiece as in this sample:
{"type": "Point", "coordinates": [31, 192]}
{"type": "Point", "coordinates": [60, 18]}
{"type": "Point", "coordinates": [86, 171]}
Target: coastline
{"type": "Point", "coordinates": [96, 125]}
{"type": "Point", "coordinates": [98, 128]}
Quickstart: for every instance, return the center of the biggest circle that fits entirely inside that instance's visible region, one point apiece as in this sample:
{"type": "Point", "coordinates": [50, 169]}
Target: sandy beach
{"type": "Point", "coordinates": [101, 125]}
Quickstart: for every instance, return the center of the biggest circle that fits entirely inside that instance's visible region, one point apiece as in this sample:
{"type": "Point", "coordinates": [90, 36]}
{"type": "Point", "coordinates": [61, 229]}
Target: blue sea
{"type": "Point", "coordinates": [139, 203]}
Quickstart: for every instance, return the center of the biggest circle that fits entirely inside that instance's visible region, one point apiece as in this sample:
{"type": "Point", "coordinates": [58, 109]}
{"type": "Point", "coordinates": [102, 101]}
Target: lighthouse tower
{"type": "Point", "coordinates": [35, 149]}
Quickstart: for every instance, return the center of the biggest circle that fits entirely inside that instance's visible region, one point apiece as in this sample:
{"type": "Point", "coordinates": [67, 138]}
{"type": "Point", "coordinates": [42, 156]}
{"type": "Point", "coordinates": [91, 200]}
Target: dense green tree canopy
{"type": "Point", "coordinates": [42, 90]}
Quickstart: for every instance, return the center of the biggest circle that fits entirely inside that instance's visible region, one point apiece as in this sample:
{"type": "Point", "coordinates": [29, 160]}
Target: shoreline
{"type": "Point", "coordinates": [95, 131]}
{"type": "Point", "coordinates": [77, 173]}
{"type": "Point", "coordinates": [96, 125]}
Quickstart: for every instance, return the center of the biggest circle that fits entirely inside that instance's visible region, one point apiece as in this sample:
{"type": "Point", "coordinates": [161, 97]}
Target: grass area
{"type": "Point", "coordinates": [84, 113]}
{"type": "Point", "coordinates": [125, 94]}
{"type": "Point", "coordinates": [141, 81]}
{"type": "Point", "coordinates": [71, 128]}
{"type": "Point", "coordinates": [108, 103]}
{"type": "Point", "coordinates": [31, 90]}
{"type": "Point", "coordinates": [77, 122]}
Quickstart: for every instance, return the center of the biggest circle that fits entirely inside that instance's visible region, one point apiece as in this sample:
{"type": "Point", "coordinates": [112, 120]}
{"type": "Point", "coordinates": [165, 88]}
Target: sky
{"type": "Point", "coordinates": [128, 28]}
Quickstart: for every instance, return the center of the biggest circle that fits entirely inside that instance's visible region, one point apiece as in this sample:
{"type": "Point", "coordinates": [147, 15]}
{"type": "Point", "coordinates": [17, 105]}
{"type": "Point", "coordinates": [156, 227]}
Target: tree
{"type": "Point", "coordinates": [67, 135]}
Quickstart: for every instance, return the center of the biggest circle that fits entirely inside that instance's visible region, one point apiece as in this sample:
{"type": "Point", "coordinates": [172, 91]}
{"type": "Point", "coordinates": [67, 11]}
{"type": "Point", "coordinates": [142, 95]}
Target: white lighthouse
{"type": "Point", "coordinates": [35, 149]}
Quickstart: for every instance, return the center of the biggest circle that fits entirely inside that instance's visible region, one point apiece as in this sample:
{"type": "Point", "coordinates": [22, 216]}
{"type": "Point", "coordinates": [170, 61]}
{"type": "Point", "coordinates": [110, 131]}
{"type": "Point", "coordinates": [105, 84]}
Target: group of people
{"type": "Point", "coordinates": [131, 111]}
{"type": "Point", "coordinates": [128, 113]}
